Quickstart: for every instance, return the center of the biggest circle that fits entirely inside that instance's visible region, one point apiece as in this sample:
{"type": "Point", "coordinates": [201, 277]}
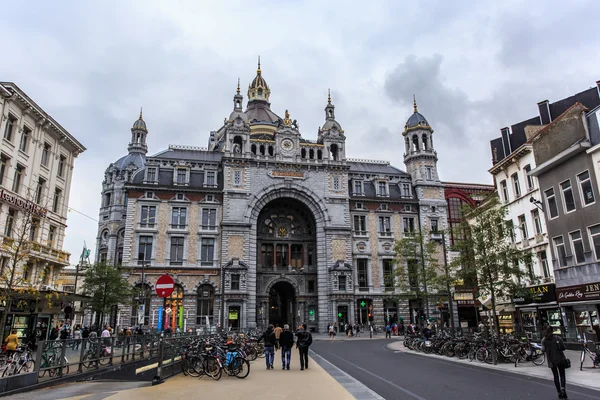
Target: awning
{"type": "Point", "coordinates": [551, 304]}
{"type": "Point", "coordinates": [579, 303]}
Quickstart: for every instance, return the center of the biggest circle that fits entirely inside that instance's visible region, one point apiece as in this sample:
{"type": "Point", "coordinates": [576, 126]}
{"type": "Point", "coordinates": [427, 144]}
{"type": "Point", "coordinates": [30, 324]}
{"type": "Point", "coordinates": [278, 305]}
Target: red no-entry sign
{"type": "Point", "coordinates": [164, 286]}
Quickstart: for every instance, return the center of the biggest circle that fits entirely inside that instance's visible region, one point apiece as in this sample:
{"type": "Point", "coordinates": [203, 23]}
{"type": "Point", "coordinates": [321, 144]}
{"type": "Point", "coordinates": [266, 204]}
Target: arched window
{"type": "Point", "coordinates": [271, 151]}
{"type": "Point", "coordinates": [311, 154]}
{"type": "Point", "coordinates": [415, 140]}
{"type": "Point", "coordinates": [303, 153]}
{"type": "Point", "coordinates": [262, 149]}
{"type": "Point", "coordinates": [253, 149]}
{"type": "Point", "coordinates": [259, 92]}
{"type": "Point", "coordinates": [174, 317]}
{"type": "Point", "coordinates": [238, 144]}
{"type": "Point", "coordinates": [140, 305]}
{"type": "Point", "coordinates": [424, 139]}
{"type": "Point", "coordinates": [407, 145]}
{"type": "Point", "coordinates": [319, 155]}
{"type": "Point", "coordinates": [205, 305]}
{"type": "Point", "coordinates": [334, 152]}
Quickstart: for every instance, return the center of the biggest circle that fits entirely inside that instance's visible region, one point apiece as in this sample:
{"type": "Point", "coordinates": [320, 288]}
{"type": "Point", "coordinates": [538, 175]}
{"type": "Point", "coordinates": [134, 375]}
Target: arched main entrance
{"type": "Point", "coordinates": [282, 304]}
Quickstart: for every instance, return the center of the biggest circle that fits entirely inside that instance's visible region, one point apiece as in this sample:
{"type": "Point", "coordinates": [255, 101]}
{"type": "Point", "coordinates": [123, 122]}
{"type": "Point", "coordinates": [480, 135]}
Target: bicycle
{"type": "Point", "coordinates": [21, 361]}
{"type": "Point", "coordinates": [586, 351]}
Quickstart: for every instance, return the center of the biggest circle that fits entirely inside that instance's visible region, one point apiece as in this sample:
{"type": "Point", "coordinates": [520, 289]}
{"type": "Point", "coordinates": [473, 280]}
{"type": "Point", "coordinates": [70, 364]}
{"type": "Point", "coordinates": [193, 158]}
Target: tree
{"type": "Point", "coordinates": [488, 252]}
{"type": "Point", "coordinates": [106, 287]}
{"type": "Point", "coordinates": [418, 268]}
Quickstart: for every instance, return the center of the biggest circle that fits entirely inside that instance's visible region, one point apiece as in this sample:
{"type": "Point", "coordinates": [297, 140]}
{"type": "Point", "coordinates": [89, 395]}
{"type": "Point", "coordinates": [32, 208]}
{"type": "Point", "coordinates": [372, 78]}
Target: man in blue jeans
{"type": "Point", "coordinates": [286, 341]}
{"type": "Point", "coordinates": [270, 342]}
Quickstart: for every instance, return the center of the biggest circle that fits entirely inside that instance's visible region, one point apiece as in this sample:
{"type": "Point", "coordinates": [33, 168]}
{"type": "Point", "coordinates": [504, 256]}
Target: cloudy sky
{"type": "Point", "coordinates": [474, 67]}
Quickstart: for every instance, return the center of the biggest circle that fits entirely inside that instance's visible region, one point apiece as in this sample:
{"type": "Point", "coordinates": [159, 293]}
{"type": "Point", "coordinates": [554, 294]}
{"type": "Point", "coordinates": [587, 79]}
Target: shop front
{"type": "Point", "coordinates": [536, 308]}
{"type": "Point", "coordinates": [580, 311]}
{"type": "Point", "coordinates": [467, 309]}
{"type": "Point", "coordinates": [506, 321]}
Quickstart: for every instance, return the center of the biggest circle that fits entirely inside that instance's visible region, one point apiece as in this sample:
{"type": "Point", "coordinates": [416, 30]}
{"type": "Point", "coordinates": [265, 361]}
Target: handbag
{"type": "Point", "coordinates": [566, 363]}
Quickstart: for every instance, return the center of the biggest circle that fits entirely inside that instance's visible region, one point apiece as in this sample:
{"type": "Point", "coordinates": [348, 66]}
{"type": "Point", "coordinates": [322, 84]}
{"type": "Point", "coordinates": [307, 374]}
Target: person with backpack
{"type": "Point", "coordinates": [557, 361]}
{"type": "Point", "coordinates": [388, 331]}
{"type": "Point", "coordinates": [303, 343]}
{"type": "Point", "coordinates": [270, 343]}
{"type": "Point", "coordinates": [286, 341]}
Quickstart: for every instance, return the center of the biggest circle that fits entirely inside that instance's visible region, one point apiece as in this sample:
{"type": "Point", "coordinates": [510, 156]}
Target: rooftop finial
{"type": "Point", "coordinates": [258, 70]}
{"type": "Point", "coordinates": [238, 88]}
{"type": "Point", "coordinates": [329, 96]}
{"type": "Point", "coordinates": [415, 103]}
{"type": "Point", "coordinates": [140, 112]}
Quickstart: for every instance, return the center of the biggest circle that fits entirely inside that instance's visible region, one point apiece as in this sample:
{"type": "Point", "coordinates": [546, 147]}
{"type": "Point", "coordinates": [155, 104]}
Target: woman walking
{"type": "Point", "coordinates": [557, 361]}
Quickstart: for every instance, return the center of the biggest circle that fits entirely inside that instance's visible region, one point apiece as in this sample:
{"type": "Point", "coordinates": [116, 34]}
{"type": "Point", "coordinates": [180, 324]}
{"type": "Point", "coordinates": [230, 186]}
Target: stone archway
{"type": "Point", "coordinates": [282, 304]}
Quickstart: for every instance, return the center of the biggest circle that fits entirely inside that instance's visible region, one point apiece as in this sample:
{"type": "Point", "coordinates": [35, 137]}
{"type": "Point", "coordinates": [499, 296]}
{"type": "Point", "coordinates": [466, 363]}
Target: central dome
{"type": "Point", "coordinates": [258, 89]}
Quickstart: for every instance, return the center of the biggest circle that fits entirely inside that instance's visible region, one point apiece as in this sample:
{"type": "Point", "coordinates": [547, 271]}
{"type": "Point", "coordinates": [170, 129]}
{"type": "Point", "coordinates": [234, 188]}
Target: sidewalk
{"type": "Point", "coordinates": [313, 383]}
{"type": "Point", "coordinates": [589, 377]}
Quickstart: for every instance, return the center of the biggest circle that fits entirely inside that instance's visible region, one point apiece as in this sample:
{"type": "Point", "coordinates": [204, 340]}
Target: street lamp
{"type": "Point", "coordinates": [537, 203]}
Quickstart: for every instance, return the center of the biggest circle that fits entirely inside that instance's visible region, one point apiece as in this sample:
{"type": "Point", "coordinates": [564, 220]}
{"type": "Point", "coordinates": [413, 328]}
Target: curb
{"type": "Point", "coordinates": [516, 371]}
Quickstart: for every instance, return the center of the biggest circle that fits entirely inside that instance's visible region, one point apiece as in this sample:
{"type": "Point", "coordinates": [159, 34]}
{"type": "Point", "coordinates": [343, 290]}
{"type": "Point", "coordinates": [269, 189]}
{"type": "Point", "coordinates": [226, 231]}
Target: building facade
{"type": "Point", "coordinates": [36, 168]}
{"type": "Point", "coordinates": [265, 226]}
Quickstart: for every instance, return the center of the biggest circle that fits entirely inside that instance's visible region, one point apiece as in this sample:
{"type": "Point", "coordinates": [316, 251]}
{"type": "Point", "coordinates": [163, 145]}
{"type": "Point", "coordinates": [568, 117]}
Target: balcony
{"type": "Point", "coordinates": [386, 234]}
{"type": "Point", "coordinates": [48, 253]}
{"type": "Point", "coordinates": [435, 236]}
{"type": "Point", "coordinates": [548, 279]}
{"type": "Point", "coordinates": [539, 238]}
{"type": "Point", "coordinates": [525, 243]}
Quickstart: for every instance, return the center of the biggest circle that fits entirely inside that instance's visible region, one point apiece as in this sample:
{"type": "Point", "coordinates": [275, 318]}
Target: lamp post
{"type": "Point", "coordinates": [450, 305]}
{"type": "Point", "coordinates": [142, 295]}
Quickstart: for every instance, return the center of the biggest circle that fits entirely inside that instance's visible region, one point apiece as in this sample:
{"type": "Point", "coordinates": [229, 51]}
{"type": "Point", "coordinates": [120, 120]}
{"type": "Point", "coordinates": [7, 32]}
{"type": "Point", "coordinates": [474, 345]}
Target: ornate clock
{"type": "Point", "coordinates": [282, 231]}
{"type": "Point", "coordinates": [287, 145]}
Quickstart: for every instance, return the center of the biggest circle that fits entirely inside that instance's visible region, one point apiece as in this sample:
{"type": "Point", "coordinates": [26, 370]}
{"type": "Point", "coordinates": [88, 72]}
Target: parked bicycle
{"type": "Point", "coordinates": [21, 361]}
{"type": "Point", "coordinates": [585, 351]}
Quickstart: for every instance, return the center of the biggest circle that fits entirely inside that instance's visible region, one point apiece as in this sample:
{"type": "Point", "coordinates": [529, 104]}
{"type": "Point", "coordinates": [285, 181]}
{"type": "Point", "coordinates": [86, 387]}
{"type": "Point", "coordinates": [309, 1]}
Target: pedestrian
{"type": "Point", "coordinates": [270, 343]}
{"type": "Point", "coordinates": [106, 335]}
{"type": "Point", "coordinates": [335, 327]}
{"type": "Point", "coordinates": [388, 331]}
{"type": "Point", "coordinates": [277, 331]}
{"type": "Point", "coordinates": [76, 337]}
{"type": "Point", "coordinates": [357, 329]}
{"type": "Point", "coordinates": [303, 343]}
{"type": "Point", "coordinates": [331, 332]}
{"type": "Point", "coordinates": [286, 341]}
{"type": "Point", "coordinates": [12, 342]}
{"type": "Point", "coordinates": [557, 361]}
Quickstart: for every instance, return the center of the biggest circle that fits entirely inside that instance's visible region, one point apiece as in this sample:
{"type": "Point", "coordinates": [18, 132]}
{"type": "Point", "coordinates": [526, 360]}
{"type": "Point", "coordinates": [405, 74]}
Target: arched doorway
{"type": "Point", "coordinates": [282, 304]}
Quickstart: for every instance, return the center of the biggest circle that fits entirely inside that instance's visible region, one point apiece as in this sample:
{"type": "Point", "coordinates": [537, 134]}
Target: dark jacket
{"type": "Point", "coordinates": [269, 338]}
{"type": "Point", "coordinates": [304, 338]}
{"type": "Point", "coordinates": [286, 339]}
{"type": "Point", "coordinates": [554, 348]}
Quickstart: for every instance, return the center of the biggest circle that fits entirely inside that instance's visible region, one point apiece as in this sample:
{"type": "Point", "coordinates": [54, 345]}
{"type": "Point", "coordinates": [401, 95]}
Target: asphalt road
{"type": "Point", "coordinates": [408, 376]}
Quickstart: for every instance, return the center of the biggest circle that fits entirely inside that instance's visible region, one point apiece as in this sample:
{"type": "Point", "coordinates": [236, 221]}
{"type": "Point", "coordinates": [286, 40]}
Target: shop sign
{"type": "Point", "coordinates": [22, 203]}
{"type": "Point", "coordinates": [589, 291]}
{"type": "Point", "coordinates": [537, 294]}
{"type": "Point", "coordinates": [233, 315]}
{"type": "Point", "coordinates": [505, 319]}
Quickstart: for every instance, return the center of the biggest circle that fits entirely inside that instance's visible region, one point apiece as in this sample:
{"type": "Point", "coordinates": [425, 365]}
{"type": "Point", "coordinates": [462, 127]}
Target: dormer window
{"type": "Point", "coordinates": [181, 176]}
{"type": "Point", "coordinates": [210, 180]}
{"type": "Point", "coordinates": [406, 191]}
{"type": "Point", "coordinates": [151, 174]}
{"type": "Point", "coordinates": [358, 188]}
{"type": "Point", "coordinates": [382, 189]}
{"type": "Point", "coordinates": [260, 92]}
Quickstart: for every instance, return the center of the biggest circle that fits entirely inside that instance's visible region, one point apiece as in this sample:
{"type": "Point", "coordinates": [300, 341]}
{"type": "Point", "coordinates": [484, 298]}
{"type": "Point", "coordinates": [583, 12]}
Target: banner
{"type": "Point", "coordinates": [141, 312]}
{"type": "Point", "coordinates": [181, 318]}
{"type": "Point", "coordinates": [160, 318]}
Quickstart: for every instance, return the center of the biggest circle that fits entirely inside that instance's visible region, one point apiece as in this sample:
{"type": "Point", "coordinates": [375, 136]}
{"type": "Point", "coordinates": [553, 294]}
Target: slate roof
{"type": "Point", "coordinates": [136, 159]}
{"type": "Point", "coordinates": [191, 155]}
{"type": "Point", "coordinates": [374, 168]}
{"type": "Point", "coordinates": [259, 111]}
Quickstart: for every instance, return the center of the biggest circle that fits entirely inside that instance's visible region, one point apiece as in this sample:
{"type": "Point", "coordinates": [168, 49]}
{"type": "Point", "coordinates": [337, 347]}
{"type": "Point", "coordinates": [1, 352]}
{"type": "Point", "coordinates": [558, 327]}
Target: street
{"type": "Point", "coordinates": [395, 375]}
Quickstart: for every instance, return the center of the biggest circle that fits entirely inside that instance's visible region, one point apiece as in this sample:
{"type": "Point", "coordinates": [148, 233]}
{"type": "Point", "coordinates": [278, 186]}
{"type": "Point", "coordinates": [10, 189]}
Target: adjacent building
{"type": "Point", "coordinates": [36, 167]}
{"type": "Point", "coordinates": [266, 226]}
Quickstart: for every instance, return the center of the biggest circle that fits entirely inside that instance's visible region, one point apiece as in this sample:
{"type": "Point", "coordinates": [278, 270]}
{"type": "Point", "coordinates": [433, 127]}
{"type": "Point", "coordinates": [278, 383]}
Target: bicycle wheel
{"type": "Point", "coordinates": [86, 360]}
{"type": "Point", "coordinates": [241, 367]}
{"type": "Point", "coordinates": [481, 354]}
{"type": "Point", "coordinates": [213, 369]}
{"type": "Point", "coordinates": [581, 359]}
{"type": "Point", "coordinates": [29, 365]}
{"type": "Point", "coordinates": [538, 357]}
{"type": "Point", "coordinates": [8, 371]}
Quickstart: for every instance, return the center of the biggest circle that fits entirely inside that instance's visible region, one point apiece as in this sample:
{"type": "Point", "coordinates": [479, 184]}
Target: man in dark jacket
{"type": "Point", "coordinates": [303, 343]}
{"type": "Point", "coordinates": [270, 342]}
{"type": "Point", "coordinates": [286, 341]}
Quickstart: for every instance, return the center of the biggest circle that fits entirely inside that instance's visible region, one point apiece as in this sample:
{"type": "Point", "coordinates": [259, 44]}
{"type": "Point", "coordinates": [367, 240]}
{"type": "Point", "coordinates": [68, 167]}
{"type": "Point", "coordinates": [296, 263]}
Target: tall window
{"type": "Point", "coordinates": [388, 273]}
{"type": "Point", "coordinates": [3, 166]}
{"type": "Point", "coordinates": [551, 203]}
{"type": "Point", "coordinates": [281, 255]}
{"type": "Point", "coordinates": [176, 250]}
{"type": "Point", "coordinates": [51, 235]}
{"type": "Point", "coordinates": [296, 254]}
{"type": "Point", "coordinates": [362, 272]}
{"type": "Point", "coordinates": [207, 251]}
{"type": "Point", "coordinates": [148, 217]}
{"type": "Point", "coordinates": [205, 307]}
{"type": "Point", "coordinates": [342, 283]}
{"type": "Point", "coordinates": [145, 249]}
{"type": "Point", "coordinates": [385, 228]}
{"type": "Point", "coordinates": [429, 173]}
{"type": "Point", "coordinates": [358, 188]}
{"type": "Point", "coordinates": [530, 182]}
{"type": "Point", "coordinates": [434, 224]}
{"type": "Point", "coordinates": [360, 224]}
{"type": "Point", "coordinates": [209, 219]}
{"type": "Point", "coordinates": [523, 227]}
{"type": "Point", "coordinates": [181, 176]}
{"type": "Point", "coordinates": [413, 274]}
{"type": "Point", "coordinates": [9, 127]}
{"type": "Point", "coordinates": [39, 192]}
{"type": "Point", "coordinates": [33, 229]}
{"type": "Point", "coordinates": [586, 190]}
{"type": "Point", "coordinates": [62, 161]}
{"type": "Point", "coordinates": [406, 192]}
{"type": "Point", "coordinates": [56, 199]}
{"type": "Point", "coordinates": [210, 179]}
{"type": "Point", "coordinates": [237, 177]}
{"type": "Point", "coordinates": [537, 222]}
{"type": "Point", "coordinates": [516, 185]}
{"type": "Point", "coordinates": [266, 251]}
{"type": "Point", "coordinates": [46, 154]}
{"type": "Point", "coordinates": [19, 172]}
{"type": "Point", "coordinates": [510, 228]}
{"type": "Point", "coordinates": [24, 139]}
{"type": "Point", "coordinates": [10, 222]}
{"type": "Point", "coordinates": [382, 188]}
{"type": "Point", "coordinates": [408, 224]}
{"type": "Point", "coordinates": [595, 240]}
{"type": "Point", "coordinates": [543, 258]}
{"type": "Point", "coordinates": [577, 247]}
{"type": "Point", "coordinates": [179, 218]}
{"type": "Point", "coordinates": [567, 195]}
{"type": "Point", "coordinates": [151, 174]}
{"type": "Point", "coordinates": [235, 281]}
{"type": "Point", "coordinates": [504, 189]}
{"type": "Point", "coordinates": [560, 251]}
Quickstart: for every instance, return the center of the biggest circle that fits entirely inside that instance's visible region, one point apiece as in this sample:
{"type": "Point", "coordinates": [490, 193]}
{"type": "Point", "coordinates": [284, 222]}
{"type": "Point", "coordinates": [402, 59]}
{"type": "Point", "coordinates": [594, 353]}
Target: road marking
{"type": "Point", "coordinates": [408, 392]}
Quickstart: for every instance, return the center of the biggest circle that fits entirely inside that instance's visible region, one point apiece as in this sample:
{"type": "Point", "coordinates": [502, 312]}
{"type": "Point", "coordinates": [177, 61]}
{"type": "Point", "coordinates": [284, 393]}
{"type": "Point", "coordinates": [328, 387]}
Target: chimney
{"type": "Point", "coordinates": [545, 117]}
{"type": "Point", "coordinates": [506, 141]}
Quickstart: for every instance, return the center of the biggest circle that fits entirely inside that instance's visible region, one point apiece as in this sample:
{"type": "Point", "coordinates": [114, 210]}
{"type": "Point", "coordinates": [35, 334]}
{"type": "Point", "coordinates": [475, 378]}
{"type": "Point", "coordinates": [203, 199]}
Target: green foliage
{"type": "Point", "coordinates": [106, 286]}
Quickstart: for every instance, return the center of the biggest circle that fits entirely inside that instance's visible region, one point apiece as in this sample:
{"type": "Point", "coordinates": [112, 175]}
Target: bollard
{"type": "Point", "coordinates": [81, 354]}
{"type": "Point", "coordinates": [157, 380]}
{"type": "Point", "coordinates": [63, 350]}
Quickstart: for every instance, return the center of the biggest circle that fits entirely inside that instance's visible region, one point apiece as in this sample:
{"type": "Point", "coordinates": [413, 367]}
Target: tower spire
{"type": "Point", "coordinates": [238, 87]}
{"type": "Point", "coordinates": [415, 102]}
{"type": "Point", "coordinates": [141, 112]}
{"type": "Point", "coordinates": [258, 71]}
{"type": "Point", "coordinates": [328, 96]}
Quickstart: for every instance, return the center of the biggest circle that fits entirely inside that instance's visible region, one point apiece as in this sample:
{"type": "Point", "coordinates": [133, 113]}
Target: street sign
{"type": "Point", "coordinates": [164, 286]}
{"type": "Point", "coordinates": [340, 314]}
{"type": "Point", "coordinates": [311, 312]}
{"type": "Point", "coordinates": [362, 303]}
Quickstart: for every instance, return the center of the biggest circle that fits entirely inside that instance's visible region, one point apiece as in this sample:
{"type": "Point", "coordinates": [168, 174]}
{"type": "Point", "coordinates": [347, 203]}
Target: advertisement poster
{"type": "Point", "coordinates": [160, 318]}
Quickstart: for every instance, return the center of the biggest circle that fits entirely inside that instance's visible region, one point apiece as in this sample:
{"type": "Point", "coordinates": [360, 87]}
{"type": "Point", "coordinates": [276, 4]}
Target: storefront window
{"type": "Point", "coordinates": [173, 313]}
{"type": "Point", "coordinates": [206, 299]}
